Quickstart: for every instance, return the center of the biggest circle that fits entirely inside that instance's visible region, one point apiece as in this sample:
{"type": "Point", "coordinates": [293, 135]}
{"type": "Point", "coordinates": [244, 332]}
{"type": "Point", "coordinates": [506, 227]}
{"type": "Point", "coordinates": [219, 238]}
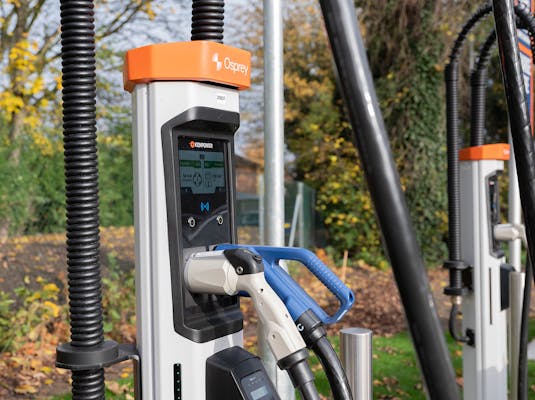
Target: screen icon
{"type": "Point", "coordinates": [205, 206]}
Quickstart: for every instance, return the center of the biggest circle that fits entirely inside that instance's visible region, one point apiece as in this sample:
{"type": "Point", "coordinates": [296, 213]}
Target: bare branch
{"type": "Point", "coordinates": [36, 10]}
{"type": "Point", "coordinates": [4, 35]}
{"type": "Point", "coordinates": [117, 24]}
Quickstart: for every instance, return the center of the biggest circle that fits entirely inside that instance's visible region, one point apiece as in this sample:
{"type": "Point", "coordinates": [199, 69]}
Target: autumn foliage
{"type": "Point", "coordinates": [407, 43]}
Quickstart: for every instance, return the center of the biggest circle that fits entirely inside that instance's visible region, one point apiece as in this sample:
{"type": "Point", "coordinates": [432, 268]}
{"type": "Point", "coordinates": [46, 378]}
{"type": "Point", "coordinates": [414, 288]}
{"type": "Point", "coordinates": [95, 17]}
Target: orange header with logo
{"type": "Point", "coordinates": [203, 61]}
{"type": "Point", "coordinates": [497, 151]}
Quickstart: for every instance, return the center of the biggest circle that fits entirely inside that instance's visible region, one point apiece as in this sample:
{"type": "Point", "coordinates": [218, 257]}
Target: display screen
{"type": "Point", "coordinates": [259, 393]}
{"type": "Point", "coordinates": [202, 172]}
{"type": "Point", "coordinates": [204, 193]}
{"type": "Point", "coordinates": [256, 386]}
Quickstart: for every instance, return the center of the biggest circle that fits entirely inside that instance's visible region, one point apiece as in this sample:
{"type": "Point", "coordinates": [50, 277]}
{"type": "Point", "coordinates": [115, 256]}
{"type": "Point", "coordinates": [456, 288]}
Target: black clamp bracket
{"type": "Point", "coordinates": [103, 355]}
{"type": "Point", "coordinates": [460, 277]}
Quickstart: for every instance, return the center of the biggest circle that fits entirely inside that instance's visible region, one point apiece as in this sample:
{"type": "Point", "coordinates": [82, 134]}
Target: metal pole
{"type": "Point", "coordinates": [273, 164]}
{"type": "Point", "coordinates": [517, 282]}
{"type": "Point", "coordinates": [356, 84]}
{"type": "Point", "coordinates": [298, 210]}
{"type": "Point", "coordinates": [301, 222]}
{"type": "Point", "coordinates": [356, 357]}
{"type": "Point", "coordinates": [516, 288]}
{"type": "Point", "coordinates": [261, 210]}
{"type": "Point", "coordinates": [273, 124]}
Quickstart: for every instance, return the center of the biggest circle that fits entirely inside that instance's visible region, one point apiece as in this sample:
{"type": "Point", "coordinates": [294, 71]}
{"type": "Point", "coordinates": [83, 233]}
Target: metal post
{"type": "Point", "coordinates": [261, 210]}
{"type": "Point", "coordinates": [356, 356]}
{"type": "Point", "coordinates": [516, 288]}
{"type": "Point", "coordinates": [274, 163]}
{"type": "Point", "coordinates": [301, 222]}
{"type": "Point", "coordinates": [517, 278]}
{"type": "Point", "coordinates": [298, 212]}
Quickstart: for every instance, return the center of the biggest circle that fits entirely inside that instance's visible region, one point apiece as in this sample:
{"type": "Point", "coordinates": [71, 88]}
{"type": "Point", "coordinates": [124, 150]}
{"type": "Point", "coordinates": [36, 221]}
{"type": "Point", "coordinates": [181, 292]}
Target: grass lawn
{"type": "Point", "coordinates": [395, 371]}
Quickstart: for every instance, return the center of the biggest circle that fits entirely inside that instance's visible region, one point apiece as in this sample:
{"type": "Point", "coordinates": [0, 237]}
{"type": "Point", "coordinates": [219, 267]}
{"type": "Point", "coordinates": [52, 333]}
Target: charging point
{"type": "Point", "coordinates": [186, 111]}
{"type": "Point", "coordinates": [484, 318]}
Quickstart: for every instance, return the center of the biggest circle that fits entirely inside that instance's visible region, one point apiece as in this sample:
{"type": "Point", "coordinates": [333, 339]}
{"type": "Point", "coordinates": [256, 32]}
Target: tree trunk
{"type": "Point", "coordinates": [15, 131]}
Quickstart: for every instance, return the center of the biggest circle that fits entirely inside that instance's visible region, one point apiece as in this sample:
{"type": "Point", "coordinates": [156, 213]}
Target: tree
{"type": "Point", "coordinates": [407, 43]}
{"type": "Point", "coordinates": [30, 82]}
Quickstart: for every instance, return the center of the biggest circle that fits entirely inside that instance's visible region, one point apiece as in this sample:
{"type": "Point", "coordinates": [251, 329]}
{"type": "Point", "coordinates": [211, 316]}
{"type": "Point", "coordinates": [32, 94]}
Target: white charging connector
{"type": "Point", "coordinates": [233, 271]}
{"type": "Point", "coordinates": [508, 232]}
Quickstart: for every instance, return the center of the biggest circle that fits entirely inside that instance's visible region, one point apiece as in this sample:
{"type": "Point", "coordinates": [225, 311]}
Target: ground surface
{"type": "Point", "coordinates": [29, 372]}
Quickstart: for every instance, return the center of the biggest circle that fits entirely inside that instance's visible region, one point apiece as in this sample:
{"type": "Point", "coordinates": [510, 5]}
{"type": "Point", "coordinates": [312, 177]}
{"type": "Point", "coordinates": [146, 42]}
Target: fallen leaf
{"type": "Point", "coordinates": [25, 389]}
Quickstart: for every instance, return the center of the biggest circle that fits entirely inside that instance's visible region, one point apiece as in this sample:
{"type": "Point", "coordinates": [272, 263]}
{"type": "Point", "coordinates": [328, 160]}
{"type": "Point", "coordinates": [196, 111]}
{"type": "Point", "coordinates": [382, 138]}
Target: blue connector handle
{"type": "Point", "coordinates": [297, 301]}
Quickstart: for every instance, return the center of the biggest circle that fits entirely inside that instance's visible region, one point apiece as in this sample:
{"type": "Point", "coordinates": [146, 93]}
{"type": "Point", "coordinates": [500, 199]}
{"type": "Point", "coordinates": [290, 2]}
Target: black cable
{"type": "Point", "coordinates": [522, 145]}
{"type": "Point", "coordinates": [308, 391]}
{"type": "Point", "coordinates": [207, 20]}
{"type": "Point", "coordinates": [333, 369]}
{"type": "Point", "coordinates": [81, 174]}
{"type": "Point", "coordinates": [315, 337]}
{"type": "Point", "coordinates": [518, 115]}
{"type": "Point", "coordinates": [300, 374]}
{"type": "Point", "coordinates": [523, 343]}
{"type": "Point", "coordinates": [451, 325]}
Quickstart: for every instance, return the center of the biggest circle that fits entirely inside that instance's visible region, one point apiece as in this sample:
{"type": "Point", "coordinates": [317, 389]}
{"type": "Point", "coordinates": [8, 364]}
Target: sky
{"type": "Point", "coordinates": [173, 23]}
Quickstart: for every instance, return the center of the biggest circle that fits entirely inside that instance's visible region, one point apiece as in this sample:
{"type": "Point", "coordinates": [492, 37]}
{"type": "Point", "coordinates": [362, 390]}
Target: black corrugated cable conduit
{"type": "Point", "coordinates": [356, 84]}
{"type": "Point", "coordinates": [81, 177]}
{"type": "Point", "coordinates": [478, 85]}
{"type": "Point", "coordinates": [207, 20]}
{"type": "Point", "coordinates": [455, 264]}
{"type": "Point", "coordinates": [479, 76]}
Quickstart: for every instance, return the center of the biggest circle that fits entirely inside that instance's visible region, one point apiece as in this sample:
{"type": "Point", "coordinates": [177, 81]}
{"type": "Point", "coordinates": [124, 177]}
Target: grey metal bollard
{"type": "Point", "coordinates": [356, 357]}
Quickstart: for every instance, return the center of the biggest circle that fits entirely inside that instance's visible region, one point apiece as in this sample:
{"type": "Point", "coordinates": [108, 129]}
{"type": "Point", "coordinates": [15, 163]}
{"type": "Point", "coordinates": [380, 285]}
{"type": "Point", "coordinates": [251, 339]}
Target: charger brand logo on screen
{"type": "Point", "coordinates": [228, 64]}
{"type": "Point", "coordinates": [200, 145]}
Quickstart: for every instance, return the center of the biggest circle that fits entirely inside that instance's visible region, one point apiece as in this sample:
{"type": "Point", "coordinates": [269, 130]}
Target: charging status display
{"type": "Point", "coordinates": [202, 172]}
{"type": "Point", "coordinates": [203, 180]}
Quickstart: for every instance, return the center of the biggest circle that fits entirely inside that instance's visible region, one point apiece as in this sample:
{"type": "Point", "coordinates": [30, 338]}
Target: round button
{"type": "Point", "coordinates": [192, 222]}
{"type": "Point", "coordinates": [219, 220]}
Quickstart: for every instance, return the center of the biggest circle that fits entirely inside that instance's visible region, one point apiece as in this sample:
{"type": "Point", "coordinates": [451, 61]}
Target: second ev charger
{"type": "Point", "coordinates": [185, 117]}
{"type": "Point", "coordinates": [485, 307]}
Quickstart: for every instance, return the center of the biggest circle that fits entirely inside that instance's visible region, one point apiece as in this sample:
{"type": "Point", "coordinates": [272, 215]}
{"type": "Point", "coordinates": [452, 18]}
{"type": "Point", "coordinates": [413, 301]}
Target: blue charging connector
{"type": "Point", "coordinates": [296, 300]}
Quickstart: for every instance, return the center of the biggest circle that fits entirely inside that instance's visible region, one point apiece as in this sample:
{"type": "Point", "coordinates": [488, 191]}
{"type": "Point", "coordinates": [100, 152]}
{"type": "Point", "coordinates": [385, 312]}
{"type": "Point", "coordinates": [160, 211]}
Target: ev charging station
{"type": "Point", "coordinates": [184, 192]}
{"type": "Point", "coordinates": [189, 270]}
{"type": "Point", "coordinates": [485, 306]}
{"type": "Point", "coordinates": [485, 284]}
{"type": "Point", "coordinates": [189, 323]}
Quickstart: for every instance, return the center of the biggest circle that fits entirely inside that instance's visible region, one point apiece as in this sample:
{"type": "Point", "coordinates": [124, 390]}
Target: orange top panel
{"type": "Point", "coordinates": [203, 61]}
{"type": "Point", "coordinates": [498, 151]}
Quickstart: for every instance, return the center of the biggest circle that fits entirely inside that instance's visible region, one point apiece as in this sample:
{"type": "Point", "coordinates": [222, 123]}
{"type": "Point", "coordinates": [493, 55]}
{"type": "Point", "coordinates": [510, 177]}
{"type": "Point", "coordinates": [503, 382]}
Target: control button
{"type": "Point", "coordinates": [219, 220]}
{"type": "Point", "coordinates": [192, 222]}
